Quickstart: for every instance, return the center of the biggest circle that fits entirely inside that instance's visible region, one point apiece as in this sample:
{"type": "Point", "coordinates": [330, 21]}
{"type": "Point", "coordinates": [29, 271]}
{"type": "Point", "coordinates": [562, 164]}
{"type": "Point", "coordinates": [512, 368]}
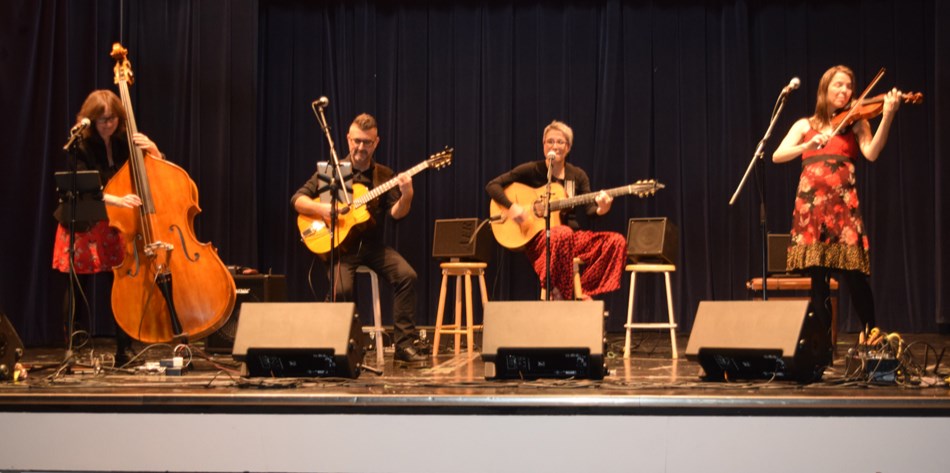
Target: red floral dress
{"type": "Point", "coordinates": [97, 250]}
{"type": "Point", "coordinates": [827, 229]}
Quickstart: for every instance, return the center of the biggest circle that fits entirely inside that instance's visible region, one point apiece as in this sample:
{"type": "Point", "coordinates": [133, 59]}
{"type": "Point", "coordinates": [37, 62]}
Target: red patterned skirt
{"type": "Point", "coordinates": [603, 253]}
{"type": "Point", "coordinates": [97, 250]}
{"type": "Point", "coordinates": [827, 228]}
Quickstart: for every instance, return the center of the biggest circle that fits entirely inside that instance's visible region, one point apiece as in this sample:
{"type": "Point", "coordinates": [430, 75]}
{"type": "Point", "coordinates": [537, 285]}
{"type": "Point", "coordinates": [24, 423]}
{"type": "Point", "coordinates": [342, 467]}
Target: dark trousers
{"type": "Point", "coordinates": [392, 267]}
{"type": "Point", "coordinates": [858, 287]}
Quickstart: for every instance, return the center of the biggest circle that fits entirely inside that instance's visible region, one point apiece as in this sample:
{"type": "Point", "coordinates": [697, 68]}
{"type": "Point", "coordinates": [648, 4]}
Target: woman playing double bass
{"type": "Point", "coordinates": [103, 149]}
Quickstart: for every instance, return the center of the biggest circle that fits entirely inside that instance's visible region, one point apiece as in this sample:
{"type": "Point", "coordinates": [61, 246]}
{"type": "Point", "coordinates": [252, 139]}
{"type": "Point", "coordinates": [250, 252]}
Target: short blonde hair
{"type": "Point", "coordinates": [563, 128]}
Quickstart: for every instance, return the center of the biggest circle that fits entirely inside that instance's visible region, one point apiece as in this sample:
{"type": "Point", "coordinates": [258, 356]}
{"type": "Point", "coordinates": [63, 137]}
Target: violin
{"type": "Point", "coordinates": [869, 108]}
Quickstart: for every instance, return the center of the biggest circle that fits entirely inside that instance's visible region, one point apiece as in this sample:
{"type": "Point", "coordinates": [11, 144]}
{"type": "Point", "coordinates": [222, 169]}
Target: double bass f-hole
{"type": "Point", "coordinates": [184, 244]}
{"type": "Point", "coordinates": [137, 264]}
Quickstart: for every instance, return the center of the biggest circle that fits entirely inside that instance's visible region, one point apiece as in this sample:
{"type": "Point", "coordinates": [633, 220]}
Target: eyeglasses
{"type": "Point", "coordinates": [104, 120]}
{"type": "Point", "coordinates": [360, 141]}
{"type": "Point", "coordinates": [552, 142]}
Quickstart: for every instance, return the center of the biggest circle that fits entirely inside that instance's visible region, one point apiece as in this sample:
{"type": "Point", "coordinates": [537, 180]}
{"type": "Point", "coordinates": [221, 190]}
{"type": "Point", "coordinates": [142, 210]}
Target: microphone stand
{"type": "Point", "coordinates": [336, 182]}
{"type": "Point", "coordinates": [547, 230]}
{"type": "Point", "coordinates": [757, 157]}
{"type": "Point", "coordinates": [72, 194]}
{"type": "Point", "coordinates": [72, 198]}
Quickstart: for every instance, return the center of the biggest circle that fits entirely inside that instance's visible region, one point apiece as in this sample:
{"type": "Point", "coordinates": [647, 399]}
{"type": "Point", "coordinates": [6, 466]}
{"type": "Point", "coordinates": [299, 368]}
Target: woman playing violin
{"type": "Point", "coordinates": [828, 234]}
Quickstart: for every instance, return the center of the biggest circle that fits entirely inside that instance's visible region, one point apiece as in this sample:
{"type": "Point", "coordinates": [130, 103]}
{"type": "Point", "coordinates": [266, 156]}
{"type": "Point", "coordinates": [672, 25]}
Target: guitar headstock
{"type": "Point", "coordinates": [441, 159]}
{"type": "Point", "coordinates": [647, 187]}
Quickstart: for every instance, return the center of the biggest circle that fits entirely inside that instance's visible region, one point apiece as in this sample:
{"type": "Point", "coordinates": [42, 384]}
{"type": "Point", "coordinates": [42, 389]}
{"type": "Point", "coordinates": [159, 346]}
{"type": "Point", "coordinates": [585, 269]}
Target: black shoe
{"type": "Point", "coordinates": [422, 346]}
{"type": "Point", "coordinates": [409, 356]}
{"type": "Point", "coordinates": [122, 357]}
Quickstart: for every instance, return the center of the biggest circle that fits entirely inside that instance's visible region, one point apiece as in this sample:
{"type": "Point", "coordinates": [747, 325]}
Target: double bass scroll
{"type": "Point", "coordinates": [161, 247]}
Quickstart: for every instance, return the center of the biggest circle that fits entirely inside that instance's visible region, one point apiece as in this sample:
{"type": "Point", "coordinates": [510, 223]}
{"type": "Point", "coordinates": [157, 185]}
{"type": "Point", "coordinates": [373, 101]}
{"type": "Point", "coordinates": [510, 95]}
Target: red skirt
{"type": "Point", "coordinates": [603, 253]}
{"type": "Point", "coordinates": [97, 250]}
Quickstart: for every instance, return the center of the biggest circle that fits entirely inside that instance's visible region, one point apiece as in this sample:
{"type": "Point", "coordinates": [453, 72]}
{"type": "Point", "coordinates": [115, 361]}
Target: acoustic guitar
{"type": "Point", "coordinates": [315, 232]}
{"type": "Point", "coordinates": [515, 236]}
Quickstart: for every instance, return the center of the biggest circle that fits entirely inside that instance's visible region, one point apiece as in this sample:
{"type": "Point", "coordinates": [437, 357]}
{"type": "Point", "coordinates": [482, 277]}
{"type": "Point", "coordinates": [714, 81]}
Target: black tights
{"type": "Point", "coordinates": [858, 287]}
{"type": "Point", "coordinates": [82, 306]}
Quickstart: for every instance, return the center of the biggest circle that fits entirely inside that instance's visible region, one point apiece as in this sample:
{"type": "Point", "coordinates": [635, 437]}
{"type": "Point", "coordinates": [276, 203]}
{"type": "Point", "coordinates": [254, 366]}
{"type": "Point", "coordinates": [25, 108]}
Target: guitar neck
{"type": "Point", "coordinates": [386, 186]}
{"type": "Point", "coordinates": [588, 198]}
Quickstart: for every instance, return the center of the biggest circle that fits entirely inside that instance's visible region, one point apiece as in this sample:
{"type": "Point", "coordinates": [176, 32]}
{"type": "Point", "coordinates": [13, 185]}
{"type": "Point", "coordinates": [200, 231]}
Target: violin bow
{"type": "Point", "coordinates": [859, 101]}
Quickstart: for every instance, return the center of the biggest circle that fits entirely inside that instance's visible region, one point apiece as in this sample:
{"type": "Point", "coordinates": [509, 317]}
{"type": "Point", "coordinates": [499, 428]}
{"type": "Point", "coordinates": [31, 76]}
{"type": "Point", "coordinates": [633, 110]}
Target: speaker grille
{"type": "Point", "coordinates": [778, 244]}
{"type": "Point", "coordinates": [652, 240]}
{"type": "Point", "coordinates": [453, 238]}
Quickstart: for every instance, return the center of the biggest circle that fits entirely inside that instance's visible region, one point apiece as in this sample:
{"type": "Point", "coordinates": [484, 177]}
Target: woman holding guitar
{"type": "Point", "coordinates": [603, 253]}
{"type": "Point", "coordinates": [828, 233]}
{"type": "Point", "coordinates": [364, 245]}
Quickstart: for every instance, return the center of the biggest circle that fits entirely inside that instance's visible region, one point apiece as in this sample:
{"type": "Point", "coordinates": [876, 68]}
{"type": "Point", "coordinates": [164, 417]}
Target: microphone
{"type": "Point", "coordinates": [74, 132]}
{"type": "Point", "coordinates": [552, 155]}
{"type": "Point", "coordinates": [321, 102]}
{"type": "Point", "coordinates": [79, 127]}
{"type": "Point", "coordinates": [792, 85]}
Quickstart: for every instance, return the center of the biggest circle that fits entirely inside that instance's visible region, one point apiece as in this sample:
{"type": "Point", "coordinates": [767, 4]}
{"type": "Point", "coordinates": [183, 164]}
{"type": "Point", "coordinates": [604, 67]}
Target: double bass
{"type": "Point", "coordinates": [170, 286]}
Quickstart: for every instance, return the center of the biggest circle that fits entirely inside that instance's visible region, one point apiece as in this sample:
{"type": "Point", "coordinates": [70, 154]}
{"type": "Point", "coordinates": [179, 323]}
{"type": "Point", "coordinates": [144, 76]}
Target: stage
{"type": "Point", "coordinates": [649, 413]}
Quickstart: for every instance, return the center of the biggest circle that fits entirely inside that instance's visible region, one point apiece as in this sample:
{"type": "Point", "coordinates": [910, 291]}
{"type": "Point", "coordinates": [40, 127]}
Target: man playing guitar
{"type": "Point", "coordinates": [367, 247]}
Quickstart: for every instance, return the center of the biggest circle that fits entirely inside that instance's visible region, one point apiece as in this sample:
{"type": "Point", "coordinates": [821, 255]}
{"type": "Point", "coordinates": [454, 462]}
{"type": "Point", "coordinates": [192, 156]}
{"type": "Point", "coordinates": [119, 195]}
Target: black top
{"type": "Point", "coordinates": [375, 175]}
{"type": "Point", "coordinates": [535, 174]}
{"type": "Point", "coordinates": [91, 155]}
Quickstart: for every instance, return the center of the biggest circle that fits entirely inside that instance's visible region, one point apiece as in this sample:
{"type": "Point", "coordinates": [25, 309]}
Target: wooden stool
{"type": "Point", "coordinates": [578, 289]}
{"type": "Point", "coordinates": [800, 284]}
{"type": "Point", "coordinates": [461, 270]}
{"type": "Point", "coordinates": [377, 328]}
{"type": "Point", "coordinates": [666, 269]}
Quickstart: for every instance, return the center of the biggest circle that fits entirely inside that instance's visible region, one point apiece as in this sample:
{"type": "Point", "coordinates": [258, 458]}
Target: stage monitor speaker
{"type": "Point", "coordinates": [310, 339]}
{"type": "Point", "coordinates": [453, 238]}
{"type": "Point", "coordinates": [759, 340]}
{"type": "Point", "coordinates": [544, 339]}
{"type": "Point", "coordinates": [250, 288]}
{"type": "Point", "coordinates": [652, 240]}
{"type": "Point", "coordinates": [11, 348]}
{"type": "Point", "coordinates": [777, 245]}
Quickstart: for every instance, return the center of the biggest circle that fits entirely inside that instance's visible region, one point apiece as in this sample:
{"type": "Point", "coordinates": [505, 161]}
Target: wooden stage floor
{"type": "Point", "coordinates": [649, 382]}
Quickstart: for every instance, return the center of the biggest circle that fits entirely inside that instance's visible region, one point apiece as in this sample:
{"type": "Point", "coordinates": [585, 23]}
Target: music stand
{"type": "Point", "coordinates": [83, 189]}
{"type": "Point", "coordinates": [80, 206]}
{"type": "Point", "coordinates": [325, 174]}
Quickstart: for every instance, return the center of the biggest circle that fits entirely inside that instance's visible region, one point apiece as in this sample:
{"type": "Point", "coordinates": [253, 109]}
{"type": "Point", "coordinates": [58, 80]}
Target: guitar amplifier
{"type": "Point", "coordinates": [250, 288]}
{"type": "Point", "coordinates": [464, 239]}
{"type": "Point", "coordinates": [778, 244]}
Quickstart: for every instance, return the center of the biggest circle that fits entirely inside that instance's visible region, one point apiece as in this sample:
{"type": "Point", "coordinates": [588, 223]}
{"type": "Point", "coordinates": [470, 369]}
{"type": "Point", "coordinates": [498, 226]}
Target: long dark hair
{"type": "Point", "coordinates": [822, 116]}
{"type": "Point", "coordinates": [95, 107]}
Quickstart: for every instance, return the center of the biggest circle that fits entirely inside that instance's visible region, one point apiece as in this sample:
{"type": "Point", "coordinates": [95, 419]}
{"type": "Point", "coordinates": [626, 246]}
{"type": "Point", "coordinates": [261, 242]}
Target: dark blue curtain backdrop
{"type": "Point", "coordinates": [676, 91]}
